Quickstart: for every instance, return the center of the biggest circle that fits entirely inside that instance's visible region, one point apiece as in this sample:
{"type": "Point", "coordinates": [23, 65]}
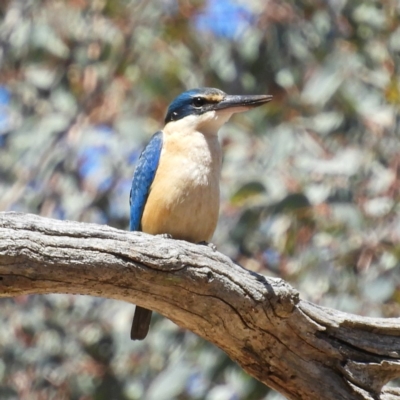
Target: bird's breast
{"type": "Point", "coordinates": [184, 197]}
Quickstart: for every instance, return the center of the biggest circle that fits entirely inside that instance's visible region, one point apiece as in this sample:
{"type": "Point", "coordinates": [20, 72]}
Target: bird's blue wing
{"type": "Point", "coordinates": [143, 178]}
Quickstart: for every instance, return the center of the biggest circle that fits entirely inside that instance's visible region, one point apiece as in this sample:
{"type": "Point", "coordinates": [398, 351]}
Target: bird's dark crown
{"type": "Point", "coordinates": [194, 102]}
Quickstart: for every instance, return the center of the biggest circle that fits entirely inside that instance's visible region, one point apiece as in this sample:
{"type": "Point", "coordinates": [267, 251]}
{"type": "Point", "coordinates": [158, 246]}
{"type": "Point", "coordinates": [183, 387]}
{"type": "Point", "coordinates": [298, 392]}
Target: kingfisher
{"type": "Point", "coordinates": [175, 188]}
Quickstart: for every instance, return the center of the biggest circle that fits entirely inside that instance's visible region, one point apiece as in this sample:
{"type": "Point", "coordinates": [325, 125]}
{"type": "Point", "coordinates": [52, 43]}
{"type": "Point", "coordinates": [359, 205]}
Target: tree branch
{"type": "Point", "coordinates": [300, 349]}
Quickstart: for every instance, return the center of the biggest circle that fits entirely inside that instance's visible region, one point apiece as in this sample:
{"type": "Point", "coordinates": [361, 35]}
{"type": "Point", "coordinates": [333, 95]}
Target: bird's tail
{"type": "Point", "coordinates": [140, 323]}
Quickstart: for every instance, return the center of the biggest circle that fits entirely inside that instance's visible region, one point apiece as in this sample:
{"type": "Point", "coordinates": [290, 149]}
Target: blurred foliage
{"type": "Point", "coordinates": [310, 182]}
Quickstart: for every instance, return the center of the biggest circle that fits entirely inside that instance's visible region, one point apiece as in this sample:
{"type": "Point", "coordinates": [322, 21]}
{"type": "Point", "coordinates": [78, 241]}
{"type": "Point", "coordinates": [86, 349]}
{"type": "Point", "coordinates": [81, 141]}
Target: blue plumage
{"type": "Point", "coordinates": [185, 103]}
{"type": "Point", "coordinates": [143, 178]}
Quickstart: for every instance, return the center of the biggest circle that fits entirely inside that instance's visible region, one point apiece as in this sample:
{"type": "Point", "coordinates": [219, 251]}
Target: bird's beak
{"type": "Point", "coordinates": [242, 103]}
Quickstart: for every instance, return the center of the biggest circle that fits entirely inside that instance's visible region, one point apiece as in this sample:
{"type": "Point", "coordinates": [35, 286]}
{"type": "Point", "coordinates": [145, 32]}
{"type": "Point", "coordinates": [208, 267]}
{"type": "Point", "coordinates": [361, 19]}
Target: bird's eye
{"type": "Point", "coordinates": [198, 102]}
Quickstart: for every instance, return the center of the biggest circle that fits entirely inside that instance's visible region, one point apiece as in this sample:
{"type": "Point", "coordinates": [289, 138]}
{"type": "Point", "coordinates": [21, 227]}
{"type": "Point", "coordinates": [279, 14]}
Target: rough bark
{"type": "Point", "coordinates": [300, 349]}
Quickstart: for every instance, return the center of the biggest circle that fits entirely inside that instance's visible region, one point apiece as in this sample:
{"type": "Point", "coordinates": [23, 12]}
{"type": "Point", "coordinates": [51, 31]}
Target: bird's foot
{"type": "Point", "coordinates": [165, 235]}
{"type": "Point", "coordinates": [212, 246]}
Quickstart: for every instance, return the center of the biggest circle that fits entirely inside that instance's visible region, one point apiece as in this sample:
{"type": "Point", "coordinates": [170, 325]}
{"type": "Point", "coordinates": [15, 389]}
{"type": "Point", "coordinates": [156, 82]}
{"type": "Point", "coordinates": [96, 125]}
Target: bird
{"type": "Point", "coordinates": [175, 187]}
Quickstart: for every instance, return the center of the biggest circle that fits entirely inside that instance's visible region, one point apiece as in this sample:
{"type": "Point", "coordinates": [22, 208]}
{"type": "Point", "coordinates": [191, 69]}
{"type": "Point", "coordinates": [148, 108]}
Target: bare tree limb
{"type": "Point", "coordinates": [300, 349]}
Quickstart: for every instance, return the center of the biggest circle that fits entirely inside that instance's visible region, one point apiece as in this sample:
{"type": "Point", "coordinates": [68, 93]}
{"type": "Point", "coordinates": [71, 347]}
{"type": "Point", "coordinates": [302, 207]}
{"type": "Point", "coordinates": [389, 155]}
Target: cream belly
{"type": "Point", "coordinates": [184, 197]}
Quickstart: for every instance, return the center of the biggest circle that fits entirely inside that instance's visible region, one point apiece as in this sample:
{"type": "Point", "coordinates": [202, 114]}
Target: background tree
{"type": "Point", "coordinates": [310, 183]}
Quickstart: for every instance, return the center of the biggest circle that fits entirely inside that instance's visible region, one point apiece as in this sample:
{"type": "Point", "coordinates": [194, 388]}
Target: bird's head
{"type": "Point", "coordinates": [207, 109]}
